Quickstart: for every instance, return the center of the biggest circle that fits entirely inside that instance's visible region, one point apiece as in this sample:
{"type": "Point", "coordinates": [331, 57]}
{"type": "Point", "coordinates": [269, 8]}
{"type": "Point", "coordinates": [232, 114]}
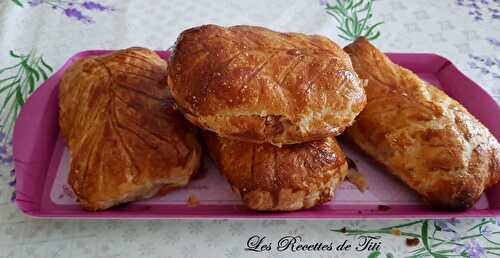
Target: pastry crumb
{"type": "Point", "coordinates": [357, 179]}
{"type": "Point", "coordinates": [412, 242]}
{"type": "Point", "coordinates": [192, 201]}
{"type": "Point", "coordinates": [396, 231]}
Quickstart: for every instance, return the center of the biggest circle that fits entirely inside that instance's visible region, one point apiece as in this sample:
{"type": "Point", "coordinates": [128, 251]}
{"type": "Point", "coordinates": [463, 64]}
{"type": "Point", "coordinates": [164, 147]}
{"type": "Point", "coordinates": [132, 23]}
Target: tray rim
{"type": "Point", "coordinates": [28, 207]}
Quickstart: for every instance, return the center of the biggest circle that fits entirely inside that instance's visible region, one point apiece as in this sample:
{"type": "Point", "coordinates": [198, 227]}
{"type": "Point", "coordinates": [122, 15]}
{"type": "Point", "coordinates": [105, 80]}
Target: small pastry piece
{"type": "Point", "coordinates": [125, 139]}
{"type": "Point", "coordinates": [421, 135]}
{"type": "Point", "coordinates": [256, 85]}
{"type": "Point", "coordinates": [269, 178]}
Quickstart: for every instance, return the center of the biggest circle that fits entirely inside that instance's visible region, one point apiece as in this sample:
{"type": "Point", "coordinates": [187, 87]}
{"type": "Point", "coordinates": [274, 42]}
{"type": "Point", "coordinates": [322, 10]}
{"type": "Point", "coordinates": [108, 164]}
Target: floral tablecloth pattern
{"type": "Point", "coordinates": [37, 36]}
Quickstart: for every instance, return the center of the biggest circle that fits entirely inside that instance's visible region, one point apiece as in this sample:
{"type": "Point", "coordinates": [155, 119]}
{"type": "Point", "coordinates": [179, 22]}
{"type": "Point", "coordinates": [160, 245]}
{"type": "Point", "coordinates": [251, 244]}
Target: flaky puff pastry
{"type": "Point", "coordinates": [269, 178]}
{"type": "Point", "coordinates": [421, 135]}
{"type": "Point", "coordinates": [125, 139]}
{"type": "Point", "coordinates": [256, 85]}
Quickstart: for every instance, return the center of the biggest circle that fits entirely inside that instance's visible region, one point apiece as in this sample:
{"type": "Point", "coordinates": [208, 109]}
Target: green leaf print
{"type": "Point", "coordinates": [439, 238]}
{"type": "Point", "coordinates": [18, 3]}
{"type": "Point", "coordinates": [17, 82]}
{"type": "Point", "coordinates": [352, 17]}
{"type": "Point", "coordinates": [374, 254]}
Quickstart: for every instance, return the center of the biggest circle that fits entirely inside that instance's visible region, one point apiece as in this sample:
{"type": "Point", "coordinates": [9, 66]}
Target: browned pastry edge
{"type": "Point", "coordinates": [269, 178]}
{"type": "Point", "coordinates": [256, 85]}
{"type": "Point", "coordinates": [139, 192]}
{"type": "Point", "coordinates": [125, 140]}
{"type": "Point", "coordinates": [421, 135]}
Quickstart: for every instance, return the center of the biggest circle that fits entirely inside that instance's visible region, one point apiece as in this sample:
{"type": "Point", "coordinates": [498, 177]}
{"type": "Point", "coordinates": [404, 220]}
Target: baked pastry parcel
{"type": "Point", "coordinates": [257, 85]}
{"type": "Point", "coordinates": [125, 139]}
{"type": "Point", "coordinates": [269, 178]}
{"type": "Point", "coordinates": [421, 135]}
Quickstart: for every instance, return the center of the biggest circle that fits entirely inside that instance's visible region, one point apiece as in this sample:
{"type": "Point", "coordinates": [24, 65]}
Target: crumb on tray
{"type": "Point", "coordinates": [192, 201]}
{"type": "Point", "coordinates": [396, 231]}
{"type": "Point", "coordinates": [412, 241]}
{"type": "Point", "coordinates": [357, 179]}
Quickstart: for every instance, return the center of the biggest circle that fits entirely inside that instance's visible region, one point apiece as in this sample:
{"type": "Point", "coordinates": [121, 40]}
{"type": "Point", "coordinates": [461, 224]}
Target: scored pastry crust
{"type": "Point", "coordinates": [256, 85]}
{"type": "Point", "coordinates": [125, 140]}
{"type": "Point", "coordinates": [269, 178]}
{"type": "Point", "coordinates": [421, 135]}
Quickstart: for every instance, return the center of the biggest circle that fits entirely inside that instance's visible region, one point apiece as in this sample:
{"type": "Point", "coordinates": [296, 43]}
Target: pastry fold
{"type": "Point", "coordinates": [256, 85]}
{"type": "Point", "coordinates": [420, 134]}
{"type": "Point", "coordinates": [125, 140]}
{"type": "Point", "coordinates": [269, 178]}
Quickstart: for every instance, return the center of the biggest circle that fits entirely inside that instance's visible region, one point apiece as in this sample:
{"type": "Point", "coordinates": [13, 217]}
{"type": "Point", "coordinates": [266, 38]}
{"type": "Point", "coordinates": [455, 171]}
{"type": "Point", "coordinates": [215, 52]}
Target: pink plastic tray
{"type": "Point", "coordinates": [41, 161]}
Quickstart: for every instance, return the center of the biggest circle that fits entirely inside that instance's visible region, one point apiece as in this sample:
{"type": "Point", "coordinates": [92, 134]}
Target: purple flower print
{"type": "Point", "coordinates": [323, 2]}
{"type": "Point", "coordinates": [497, 221]}
{"type": "Point", "coordinates": [13, 184]}
{"type": "Point", "coordinates": [5, 157]}
{"type": "Point", "coordinates": [474, 249]}
{"type": "Point", "coordinates": [5, 151]}
{"type": "Point", "coordinates": [90, 5]}
{"type": "Point", "coordinates": [74, 9]}
{"type": "Point", "coordinates": [481, 10]}
{"type": "Point", "coordinates": [494, 42]}
{"type": "Point", "coordinates": [486, 231]}
{"type": "Point", "coordinates": [75, 13]}
{"type": "Point", "coordinates": [446, 225]}
{"type": "Point", "coordinates": [472, 65]}
{"type": "Point", "coordinates": [486, 65]}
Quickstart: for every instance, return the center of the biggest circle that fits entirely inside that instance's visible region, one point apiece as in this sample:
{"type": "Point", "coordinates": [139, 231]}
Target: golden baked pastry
{"type": "Point", "coordinates": [125, 139]}
{"type": "Point", "coordinates": [269, 178]}
{"type": "Point", "coordinates": [256, 85]}
{"type": "Point", "coordinates": [427, 139]}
